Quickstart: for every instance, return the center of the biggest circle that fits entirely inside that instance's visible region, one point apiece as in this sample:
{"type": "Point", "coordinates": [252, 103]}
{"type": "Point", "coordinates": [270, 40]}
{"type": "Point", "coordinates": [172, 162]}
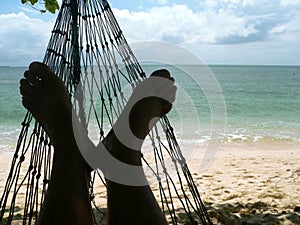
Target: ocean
{"type": "Point", "coordinates": [262, 104]}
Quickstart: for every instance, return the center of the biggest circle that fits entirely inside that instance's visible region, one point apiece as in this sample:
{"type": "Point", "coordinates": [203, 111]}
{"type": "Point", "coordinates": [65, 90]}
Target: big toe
{"type": "Point", "coordinates": [162, 73]}
{"type": "Point", "coordinates": [41, 70]}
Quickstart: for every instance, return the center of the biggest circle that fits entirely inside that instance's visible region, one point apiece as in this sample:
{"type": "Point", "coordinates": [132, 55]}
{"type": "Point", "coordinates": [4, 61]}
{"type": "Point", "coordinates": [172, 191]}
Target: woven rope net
{"type": "Point", "coordinates": [88, 46]}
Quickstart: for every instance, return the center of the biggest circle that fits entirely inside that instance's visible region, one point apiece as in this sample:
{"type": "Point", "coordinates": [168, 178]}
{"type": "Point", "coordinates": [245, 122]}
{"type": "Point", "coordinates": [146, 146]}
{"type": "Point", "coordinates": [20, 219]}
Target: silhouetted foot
{"type": "Point", "coordinates": [46, 97]}
{"type": "Point", "coordinates": [67, 200]}
{"type": "Point", "coordinates": [152, 99]}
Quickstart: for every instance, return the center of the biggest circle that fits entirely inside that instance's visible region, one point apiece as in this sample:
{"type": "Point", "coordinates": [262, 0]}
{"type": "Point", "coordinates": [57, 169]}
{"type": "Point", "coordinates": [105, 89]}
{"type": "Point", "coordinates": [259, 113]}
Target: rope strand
{"type": "Point", "coordinates": [87, 45]}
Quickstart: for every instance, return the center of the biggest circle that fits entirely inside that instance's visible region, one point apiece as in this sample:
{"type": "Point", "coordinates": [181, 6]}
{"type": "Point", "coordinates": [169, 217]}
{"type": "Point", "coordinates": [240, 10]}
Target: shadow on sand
{"type": "Point", "coordinates": [258, 213]}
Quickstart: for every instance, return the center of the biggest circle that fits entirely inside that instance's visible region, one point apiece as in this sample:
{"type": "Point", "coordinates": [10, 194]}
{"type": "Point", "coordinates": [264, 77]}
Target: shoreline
{"type": "Point", "coordinates": [245, 184]}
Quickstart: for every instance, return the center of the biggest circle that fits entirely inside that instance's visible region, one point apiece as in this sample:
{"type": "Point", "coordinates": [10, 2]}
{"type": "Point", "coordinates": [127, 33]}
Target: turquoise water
{"type": "Point", "coordinates": [11, 110]}
{"type": "Point", "coordinates": [262, 103]}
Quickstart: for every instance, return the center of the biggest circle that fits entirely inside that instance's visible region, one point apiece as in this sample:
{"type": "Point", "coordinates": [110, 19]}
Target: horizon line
{"type": "Point", "coordinates": [192, 64]}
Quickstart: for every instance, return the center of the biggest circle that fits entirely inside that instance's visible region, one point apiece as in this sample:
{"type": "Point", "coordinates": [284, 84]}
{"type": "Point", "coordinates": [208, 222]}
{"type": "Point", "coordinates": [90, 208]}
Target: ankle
{"type": "Point", "coordinates": [121, 152]}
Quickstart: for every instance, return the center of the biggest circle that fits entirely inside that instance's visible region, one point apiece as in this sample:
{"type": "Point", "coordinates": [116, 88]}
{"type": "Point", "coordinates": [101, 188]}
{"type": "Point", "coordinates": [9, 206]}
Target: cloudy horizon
{"type": "Point", "coordinates": [219, 32]}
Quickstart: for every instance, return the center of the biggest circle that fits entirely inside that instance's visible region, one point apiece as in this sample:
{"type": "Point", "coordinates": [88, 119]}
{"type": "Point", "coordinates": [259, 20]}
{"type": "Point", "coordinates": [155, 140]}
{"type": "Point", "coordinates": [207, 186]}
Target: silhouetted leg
{"type": "Point", "coordinates": [135, 205]}
{"type": "Point", "coordinates": [67, 199]}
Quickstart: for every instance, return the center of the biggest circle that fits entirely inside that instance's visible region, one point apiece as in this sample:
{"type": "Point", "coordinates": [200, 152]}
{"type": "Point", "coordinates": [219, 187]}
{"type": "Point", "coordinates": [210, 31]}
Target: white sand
{"type": "Point", "coordinates": [246, 184]}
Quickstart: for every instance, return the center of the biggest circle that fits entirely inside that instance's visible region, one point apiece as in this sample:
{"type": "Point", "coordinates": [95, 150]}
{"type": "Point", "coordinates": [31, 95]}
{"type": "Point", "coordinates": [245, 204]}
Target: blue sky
{"type": "Point", "coordinates": [218, 31]}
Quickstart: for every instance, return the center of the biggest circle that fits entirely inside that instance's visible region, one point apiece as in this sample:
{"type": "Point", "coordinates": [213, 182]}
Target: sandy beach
{"type": "Point", "coordinates": [246, 184]}
{"type": "Point", "coordinates": [253, 184]}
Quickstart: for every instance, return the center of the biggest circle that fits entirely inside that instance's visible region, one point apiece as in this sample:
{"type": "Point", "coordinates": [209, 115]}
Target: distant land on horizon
{"type": "Point", "coordinates": [208, 64]}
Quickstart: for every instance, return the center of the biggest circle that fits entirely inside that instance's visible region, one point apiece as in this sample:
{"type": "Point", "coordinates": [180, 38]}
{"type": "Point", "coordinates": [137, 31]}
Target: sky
{"type": "Point", "coordinates": [239, 32]}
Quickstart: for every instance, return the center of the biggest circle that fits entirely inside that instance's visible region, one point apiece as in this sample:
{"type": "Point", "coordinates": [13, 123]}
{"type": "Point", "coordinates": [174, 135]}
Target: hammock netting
{"type": "Point", "coordinates": [88, 46]}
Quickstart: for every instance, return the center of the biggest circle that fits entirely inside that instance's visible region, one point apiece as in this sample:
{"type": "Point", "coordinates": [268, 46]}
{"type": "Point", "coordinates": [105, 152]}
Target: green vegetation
{"type": "Point", "coordinates": [50, 5]}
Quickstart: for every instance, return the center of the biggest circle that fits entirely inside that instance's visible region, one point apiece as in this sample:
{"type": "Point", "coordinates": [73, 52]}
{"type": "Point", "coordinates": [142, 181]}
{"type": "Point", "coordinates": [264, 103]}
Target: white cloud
{"type": "Point", "coordinates": [161, 2]}
{"type": "Point", "coordinates": [180, 24]}
{"type": "Point", "coordinates": [237, 23]}
{"type": "Point", "coordinates": [257, 31]}
{"type": "Point", "coordinates": [290, 2]}
{"type": "Point", "coordinates": [22, 39]}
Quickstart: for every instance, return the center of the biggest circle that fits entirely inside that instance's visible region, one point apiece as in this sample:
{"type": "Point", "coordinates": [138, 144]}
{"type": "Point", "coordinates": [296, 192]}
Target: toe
{"type": "Point", "coordinates": [26, 89]}
{"type": "Point", "coordinates": [163, 79]}
{"type": "Point", "coordinates": [33, 80]}
{"type": "Point", "coordinates": [162, 73]}
{"type": "Point", "coordinates": [172, 94]}
{"type": "Point", "coordinates": [167, 89]}
{"type": "Point", "coordinates": [40, 70]}
{"type": "Point", "coordinates": [166, 109]}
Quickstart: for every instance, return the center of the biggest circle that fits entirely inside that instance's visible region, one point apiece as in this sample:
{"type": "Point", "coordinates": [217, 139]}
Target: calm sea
{"type": "Point", "coordinates": [262, 104]}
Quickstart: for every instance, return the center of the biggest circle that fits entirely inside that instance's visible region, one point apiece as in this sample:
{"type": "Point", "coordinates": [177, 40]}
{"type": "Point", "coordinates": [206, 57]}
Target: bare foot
{"type": "Point", "coordinates": [150, 100]}
{"type": "Point", "coordinates": [153, 99]}
{"type": "Point", "coordinates": [46, 97]}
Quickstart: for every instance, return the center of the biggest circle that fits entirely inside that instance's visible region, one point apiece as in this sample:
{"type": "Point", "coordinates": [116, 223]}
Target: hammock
{"type": "Point", "coordinates": [88, 45]}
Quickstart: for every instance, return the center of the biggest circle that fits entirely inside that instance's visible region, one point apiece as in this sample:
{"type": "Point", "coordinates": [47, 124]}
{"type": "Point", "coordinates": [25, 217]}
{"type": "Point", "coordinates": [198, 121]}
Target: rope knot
{"type": "Point", "coordinates": [22, 158]}
{"type": "Point", "coordinates": [46, 181]}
